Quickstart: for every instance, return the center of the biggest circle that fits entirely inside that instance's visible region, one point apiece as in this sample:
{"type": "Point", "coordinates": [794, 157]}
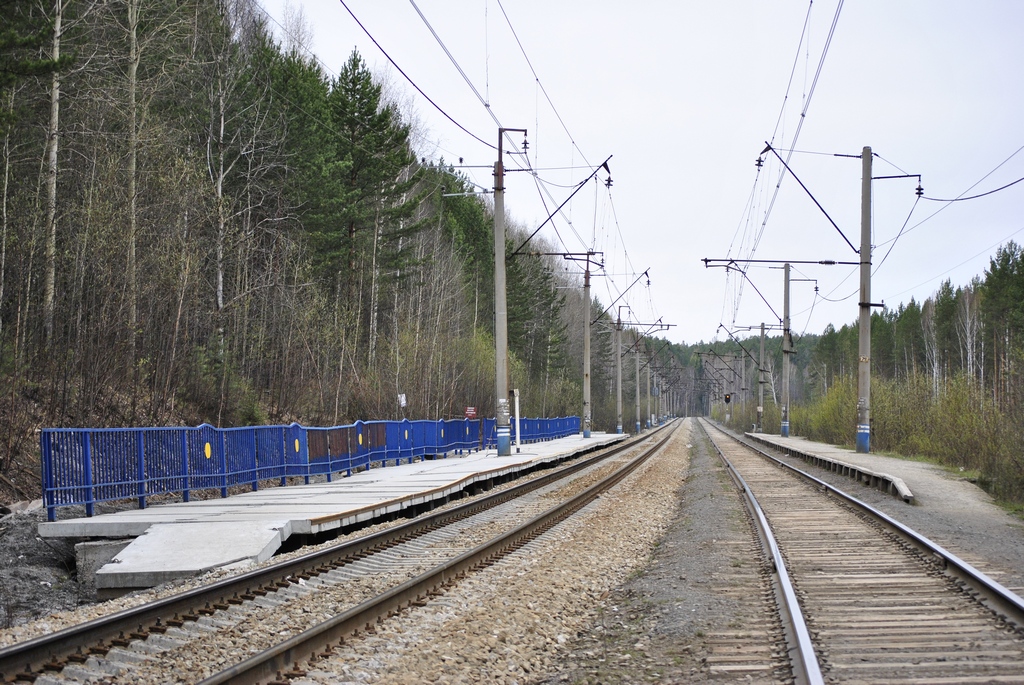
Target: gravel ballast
{"type": "Point", "coordinates": [638, 587]}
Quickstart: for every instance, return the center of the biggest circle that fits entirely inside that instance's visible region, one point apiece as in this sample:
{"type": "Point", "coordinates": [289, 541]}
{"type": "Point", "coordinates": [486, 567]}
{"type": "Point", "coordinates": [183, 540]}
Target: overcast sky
{"type": "Point", "coordinates": [683, 96]}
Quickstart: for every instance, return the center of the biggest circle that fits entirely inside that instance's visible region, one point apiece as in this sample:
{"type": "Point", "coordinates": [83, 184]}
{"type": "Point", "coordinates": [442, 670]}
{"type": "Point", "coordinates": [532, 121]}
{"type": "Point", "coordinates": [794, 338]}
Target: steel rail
{"type": "Point", "coordinates": [806, 669]}
{"type": "Point", "coordinates": [52, 651]}
{"type": "Point", "coordinates": [992, 594]}
{"type": "Point", "coordinates": [318, 640]}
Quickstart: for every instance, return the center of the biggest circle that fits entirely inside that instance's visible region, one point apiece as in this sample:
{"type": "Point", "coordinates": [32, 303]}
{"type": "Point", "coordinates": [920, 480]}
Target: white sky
{"type": "Point", "coordinates": [684, 95]}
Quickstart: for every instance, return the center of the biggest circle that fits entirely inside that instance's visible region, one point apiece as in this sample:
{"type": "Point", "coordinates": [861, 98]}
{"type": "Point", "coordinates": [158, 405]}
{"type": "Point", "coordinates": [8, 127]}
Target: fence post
{"type": "Point", "coordinates": [49, 496]}
{"type": "Point", "coordinates": [330, 458]}
{"type": "Point", "coordinates": [140, 471]}
{"type": "Point", "coordinates": [406, 439]}
{"type": "Point", "coordinates": [87, 467]}
{"type": "Point", "coordinates": [283, 448]}
{"type": "Point", "coordinates": [254, 457]}
{"type": "Point", "coordinates": [223, 457]}
{"type": "Point", "coordinates": [184, 464]}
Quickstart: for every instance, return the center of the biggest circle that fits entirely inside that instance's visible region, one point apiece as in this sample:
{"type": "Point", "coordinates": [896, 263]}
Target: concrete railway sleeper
{"type": "Point", "coordinates": [881, 603]}
{"type": "Point", "coordinates": [133, 639]}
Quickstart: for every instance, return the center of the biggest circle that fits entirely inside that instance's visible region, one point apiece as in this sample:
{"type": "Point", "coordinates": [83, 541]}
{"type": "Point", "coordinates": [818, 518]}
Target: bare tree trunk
{"type": "Point", "coordinates": [50, 250]}
{"type": "Point", "coordinates": [3, 212]}
{"type": "Point", "coordinates": [183, 285]}
{"type": "Point", "coordinates": [374, 288]}
{"type": "Point", "coordinates": [341, 376]}
{"type": "Point", "coordinates": [133, 223]}
{"type": "Point", "coordinates": [770, 364]}
{"type": "Point", "coordinates": [398, 344]}
{"type": "Point", "coordinates": [219, 191]}
{"type": "Point", "coordinates": [931, 345]}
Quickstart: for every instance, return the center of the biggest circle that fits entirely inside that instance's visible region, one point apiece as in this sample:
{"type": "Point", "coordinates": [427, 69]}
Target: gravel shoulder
{"type": "Point", "coordinates": [660, 624]}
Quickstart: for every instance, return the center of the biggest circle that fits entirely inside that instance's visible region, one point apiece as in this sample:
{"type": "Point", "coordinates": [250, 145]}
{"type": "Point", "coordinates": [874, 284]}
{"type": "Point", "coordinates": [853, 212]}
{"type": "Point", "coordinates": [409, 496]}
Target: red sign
{"type": "Point", "coordinates": [470, 412]}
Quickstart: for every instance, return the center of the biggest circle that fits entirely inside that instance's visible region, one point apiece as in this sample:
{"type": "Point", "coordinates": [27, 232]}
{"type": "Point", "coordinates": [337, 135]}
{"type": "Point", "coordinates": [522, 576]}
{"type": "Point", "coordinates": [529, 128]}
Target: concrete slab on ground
{"type": "Point", "coordinates": [171, 550]}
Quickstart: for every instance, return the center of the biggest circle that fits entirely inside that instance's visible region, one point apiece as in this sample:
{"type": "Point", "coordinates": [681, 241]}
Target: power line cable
{"type": "Point", "coordinates": [327, 128]}
{"type": "Point", "coordinates": [975, 197]}
{"type": "Point", "coordinates": [811, 195]}
{"type": "Point", "coordinates": [949, 203]}
{"type": "Point", "coordinates": [413, 83]}
{"type": "Point", "coordinates": [800, 122]}
{"type": "Point", "coordinates": [615, 218]}
{"type": "Point", "coordinates": [987, 249]}
{"type": "Point", "coordinates": [796, 136]}
{"type": "Point", "coordinates": [902, 228]}
{"type": "Point", "coordinates": [539, 84]}
{"type": "Point", "coordinates": [465, 77]}
{"type": "Point", "coordinates": [486, 105]}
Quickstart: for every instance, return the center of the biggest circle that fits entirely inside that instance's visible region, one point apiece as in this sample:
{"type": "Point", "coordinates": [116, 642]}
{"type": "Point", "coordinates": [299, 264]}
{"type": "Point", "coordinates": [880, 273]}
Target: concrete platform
{"type": "Point", "coordinates": [859, 467]}
{"type": "Point", "coordinates": [186, 538]}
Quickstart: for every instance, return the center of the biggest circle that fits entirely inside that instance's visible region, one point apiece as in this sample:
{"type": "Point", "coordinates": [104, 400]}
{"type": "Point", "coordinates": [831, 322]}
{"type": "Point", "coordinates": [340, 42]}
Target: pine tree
{"type": "Point", "coordinates": [376, 176]}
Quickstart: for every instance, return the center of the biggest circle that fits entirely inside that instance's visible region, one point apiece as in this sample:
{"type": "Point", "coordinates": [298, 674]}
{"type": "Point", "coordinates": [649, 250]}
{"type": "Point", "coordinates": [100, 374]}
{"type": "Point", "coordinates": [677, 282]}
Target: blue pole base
{"type": "Point", "coordinates": [504, 440]}
{"type": "Point", "coordinates": [586, 432]}
{"type": "Point", "coordinates": [637, 427]}
{"type": "Point", "coordinates": [863, 438]}
{"type": "Point", "coordinates": [618, 429]}
{"type": "Point", "coordinates": [785, 429]}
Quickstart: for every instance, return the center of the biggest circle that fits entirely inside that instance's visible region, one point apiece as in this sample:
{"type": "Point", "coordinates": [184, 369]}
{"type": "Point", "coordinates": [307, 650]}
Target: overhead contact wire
{"type": "Point", "coordinates": [413, 83]}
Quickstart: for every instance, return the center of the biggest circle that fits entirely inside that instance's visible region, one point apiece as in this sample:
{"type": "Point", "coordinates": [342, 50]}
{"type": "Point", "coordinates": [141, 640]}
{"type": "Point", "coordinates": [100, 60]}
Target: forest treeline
{"type": "Point", "coordinates": [201, 224]}
{"type": "Point", "coordinates": [947, 379]}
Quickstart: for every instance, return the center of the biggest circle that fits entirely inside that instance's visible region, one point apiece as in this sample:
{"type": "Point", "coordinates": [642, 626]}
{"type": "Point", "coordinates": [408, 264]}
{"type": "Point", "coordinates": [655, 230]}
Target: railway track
{"type": "Point", "coordinates": [302, 606]}
{"type": "Point", "coordinates": [864, 599]}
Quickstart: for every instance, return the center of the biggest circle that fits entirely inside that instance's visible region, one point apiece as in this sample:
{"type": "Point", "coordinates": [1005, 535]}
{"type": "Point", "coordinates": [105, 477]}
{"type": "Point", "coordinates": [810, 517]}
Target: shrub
{"type": "Point", "coordinates": [959, 426]}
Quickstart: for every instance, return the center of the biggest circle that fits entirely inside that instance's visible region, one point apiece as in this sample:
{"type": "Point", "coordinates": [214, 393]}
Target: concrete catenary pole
{"type": "Point", "coordinates": [501, 408]}
{"type": "Point", "coordinates": [636, 357]}
{"type": "Point", "coordinates": [659, 407]}
{"type": "Point", "coordinates": [742, 361]}
{"type": "Point", "coordinates": [618, 375]}
{"type": "Point", "coordinates": [649, 415]}
{"type": "Point", "coordinates": [864, 347]}
{"type": "Point", "coordinates": [500, 315]}
{"type": "Point", "coordinates": [760, 383]}
{"type": "Point", "coordinates": [586, 350]}
{"type": "Point", "coordinates": [785, 354]}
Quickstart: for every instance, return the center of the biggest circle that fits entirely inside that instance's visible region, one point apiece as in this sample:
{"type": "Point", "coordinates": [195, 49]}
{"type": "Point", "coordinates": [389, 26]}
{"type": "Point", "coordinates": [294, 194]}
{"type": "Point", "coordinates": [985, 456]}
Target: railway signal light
{"type": "Point", "coordinates": [728, 398]}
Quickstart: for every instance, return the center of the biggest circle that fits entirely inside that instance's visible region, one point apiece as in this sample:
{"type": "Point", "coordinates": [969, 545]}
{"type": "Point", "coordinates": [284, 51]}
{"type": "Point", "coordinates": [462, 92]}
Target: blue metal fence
{"type": "Point", "coordinates": [84, 466]}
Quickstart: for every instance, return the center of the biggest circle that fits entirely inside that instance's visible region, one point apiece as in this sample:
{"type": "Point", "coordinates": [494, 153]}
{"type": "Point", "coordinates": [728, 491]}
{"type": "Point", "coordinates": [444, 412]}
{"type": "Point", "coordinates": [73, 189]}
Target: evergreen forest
{"type": "Point", "coordinates": [947, 379]}
{"type": "Point", "coordinates": [199, 223]}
